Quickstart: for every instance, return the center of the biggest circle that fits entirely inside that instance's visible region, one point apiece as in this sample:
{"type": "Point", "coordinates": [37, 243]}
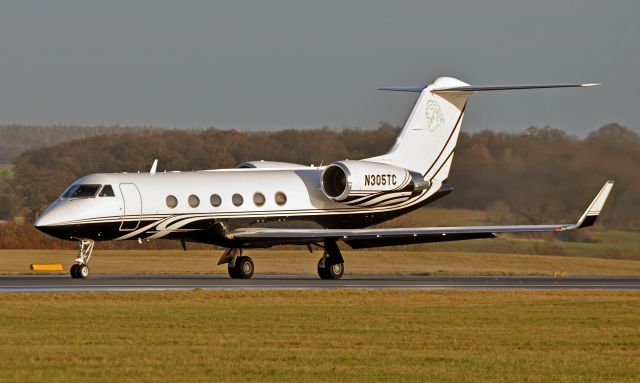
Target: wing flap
{"type": "Point", "coordinates": [412, 240]}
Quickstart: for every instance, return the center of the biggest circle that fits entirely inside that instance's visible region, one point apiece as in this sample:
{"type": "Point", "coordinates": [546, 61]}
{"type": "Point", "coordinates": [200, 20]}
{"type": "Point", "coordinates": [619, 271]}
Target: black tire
{"type": "Point", "coordinates": [82, 271]}
{"type": "Point", "coordinates": [245, 267]}
{"type": "Point", "coordinates": [323, 272]}
{"type": "Point", "coordinates": [233, 271]}
{"type": "Point", "coordinates": [73, 271]}
{"type": "Point", "coordinates": [335, 271]}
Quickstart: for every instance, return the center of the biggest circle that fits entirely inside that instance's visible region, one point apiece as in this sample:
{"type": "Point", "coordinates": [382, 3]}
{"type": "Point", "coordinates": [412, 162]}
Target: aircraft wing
{"type": "Point", "coordinates": [363, 238]}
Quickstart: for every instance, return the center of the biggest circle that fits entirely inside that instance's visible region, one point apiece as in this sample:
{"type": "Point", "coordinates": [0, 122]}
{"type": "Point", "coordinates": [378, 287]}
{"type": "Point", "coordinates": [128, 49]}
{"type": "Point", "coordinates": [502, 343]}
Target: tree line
{"type": "Point", "coordinates": [16, 138]}
{"type": "Point", "coordinates": [536, 176]}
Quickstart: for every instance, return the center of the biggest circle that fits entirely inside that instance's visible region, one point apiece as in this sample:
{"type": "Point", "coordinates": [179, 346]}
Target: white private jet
{"type": "Point", "coordinates": [260, 204]}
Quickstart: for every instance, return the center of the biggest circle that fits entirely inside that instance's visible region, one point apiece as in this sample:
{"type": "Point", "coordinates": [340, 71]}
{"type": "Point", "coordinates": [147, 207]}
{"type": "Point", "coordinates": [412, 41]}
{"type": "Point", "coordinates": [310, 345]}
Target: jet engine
{"type": "Point", "coordinates": [352, 182]}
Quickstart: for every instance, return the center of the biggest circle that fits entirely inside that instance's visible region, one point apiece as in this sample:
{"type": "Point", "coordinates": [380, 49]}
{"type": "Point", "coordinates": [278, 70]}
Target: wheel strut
{"type": "Point", "coordinates": [80, 268]}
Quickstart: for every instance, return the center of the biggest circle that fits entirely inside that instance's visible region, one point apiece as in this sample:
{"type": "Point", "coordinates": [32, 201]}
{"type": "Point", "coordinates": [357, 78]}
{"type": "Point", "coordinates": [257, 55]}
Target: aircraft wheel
{"type": "Point", "coordinates": [335, 271]}
{"type": "Point", "coordinates": [82, 271]}
{"type": "Point", "coordinates": [78, 270]}
{"type": "Point", "coordinates": [73, 271]}
{"type": "Point", "coordinates": [233, 271]}
{"type": "Point", "coordinates": [243, 269]}
{"type": "Point", "coordinates": [323, 272]}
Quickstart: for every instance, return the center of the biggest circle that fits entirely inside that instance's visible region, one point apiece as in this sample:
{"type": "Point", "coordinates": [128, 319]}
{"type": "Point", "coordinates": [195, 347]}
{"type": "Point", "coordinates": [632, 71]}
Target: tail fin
{"type": "Point", "coordinates": [427, 141]}
{"type": "Point", "coordinates": [430, 134]}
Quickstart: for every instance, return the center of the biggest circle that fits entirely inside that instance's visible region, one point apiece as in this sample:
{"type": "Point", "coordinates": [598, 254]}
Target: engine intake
{"type": "Point", "coordinates": [335, 180]}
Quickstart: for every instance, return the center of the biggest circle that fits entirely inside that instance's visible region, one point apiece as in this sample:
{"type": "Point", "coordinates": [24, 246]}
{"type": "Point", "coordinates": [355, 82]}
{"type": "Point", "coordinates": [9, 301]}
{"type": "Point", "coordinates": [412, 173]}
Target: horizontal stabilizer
{"type": "Point", "coordinates": [416, 89]}
{"type": "Point", "coordinates": [485, 88]}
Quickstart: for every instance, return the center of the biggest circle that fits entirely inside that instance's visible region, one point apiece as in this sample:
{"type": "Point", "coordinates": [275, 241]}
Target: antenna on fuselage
{"type": "Point", "coordinates": [154, 167]}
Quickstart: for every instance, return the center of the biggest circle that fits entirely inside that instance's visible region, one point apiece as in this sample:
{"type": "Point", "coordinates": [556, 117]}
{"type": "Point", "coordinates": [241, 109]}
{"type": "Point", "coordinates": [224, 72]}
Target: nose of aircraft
{"type": "Point", "coordinates": [53, 220]}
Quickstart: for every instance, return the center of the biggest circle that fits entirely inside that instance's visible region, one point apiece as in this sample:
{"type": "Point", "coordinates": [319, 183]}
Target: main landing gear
{"type": "Point", "coordinates": [80, 268]}
{"type": "Point", "coordinates": [331, 265]}
{"type": "Point", "coordinates": [239, 266]}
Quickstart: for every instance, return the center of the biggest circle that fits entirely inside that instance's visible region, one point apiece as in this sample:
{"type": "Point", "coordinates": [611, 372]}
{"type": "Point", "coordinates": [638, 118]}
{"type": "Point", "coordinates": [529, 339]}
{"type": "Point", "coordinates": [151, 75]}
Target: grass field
{"type": "Point", "coordinates": [302, 336]}
{"type": "Point", "coordinates": [277, 261]}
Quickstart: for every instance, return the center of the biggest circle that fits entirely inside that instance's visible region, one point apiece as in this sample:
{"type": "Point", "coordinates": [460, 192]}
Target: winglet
{"type": "Point", "coordinates": [591, 214]}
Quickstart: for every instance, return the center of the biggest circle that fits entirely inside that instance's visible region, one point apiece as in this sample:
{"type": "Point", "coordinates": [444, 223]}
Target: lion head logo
{"type": "Point", "coordinates": [435, 117]}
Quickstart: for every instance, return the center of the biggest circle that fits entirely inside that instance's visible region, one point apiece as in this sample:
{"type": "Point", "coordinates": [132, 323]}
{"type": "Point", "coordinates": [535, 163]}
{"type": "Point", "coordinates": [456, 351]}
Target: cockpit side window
{"type": "Point", "coordinates": [69, 191]}
{"type": "Point", "coordinates": [82, 191]}
{"type": "Point", "coordinates": [107, 191]}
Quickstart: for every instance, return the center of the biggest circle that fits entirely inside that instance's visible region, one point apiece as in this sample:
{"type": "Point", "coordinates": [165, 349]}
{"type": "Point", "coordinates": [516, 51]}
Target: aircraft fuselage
{"type": "Point", "coordinates": [201, 206]}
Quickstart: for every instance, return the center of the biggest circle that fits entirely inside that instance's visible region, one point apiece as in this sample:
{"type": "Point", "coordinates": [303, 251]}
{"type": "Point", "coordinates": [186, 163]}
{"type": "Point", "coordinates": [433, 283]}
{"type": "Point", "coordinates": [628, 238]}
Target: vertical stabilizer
{"type": "Point", "coordinates": [429, 136]}
{"type": "Point", "coordinates": [428, 139]}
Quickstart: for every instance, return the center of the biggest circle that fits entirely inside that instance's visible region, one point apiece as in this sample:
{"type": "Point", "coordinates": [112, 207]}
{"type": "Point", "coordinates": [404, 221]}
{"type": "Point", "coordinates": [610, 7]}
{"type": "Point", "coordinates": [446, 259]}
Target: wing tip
{"type": "Point", "coordinates": [593, 211]}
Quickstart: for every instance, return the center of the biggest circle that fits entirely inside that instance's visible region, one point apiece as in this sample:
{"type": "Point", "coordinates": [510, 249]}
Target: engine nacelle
{"type": "Point", "coordinates": [359, 181]}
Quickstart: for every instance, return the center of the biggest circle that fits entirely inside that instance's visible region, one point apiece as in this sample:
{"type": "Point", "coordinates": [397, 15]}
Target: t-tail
{"type": "Point", "coordinates": [428, 139]}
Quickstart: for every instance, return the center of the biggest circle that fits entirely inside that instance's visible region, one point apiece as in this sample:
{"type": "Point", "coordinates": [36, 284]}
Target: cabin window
{"type": "Point", "coordinates": [107, 191]}
{"type": "Point", "coordinates": [193, 200]}
{"type": "Point", "coordinates": [215, 200]}
{"type": "Point", "coordinates": [237, 199]}
{"type": "Point", "coordinates": [281, 198]}
{"type": "Point", "coordinates": [81, 191]}
{"type": "Point", "coordinates": [258, 199]}
{"type": "Point", "coordinates": [172, 201]}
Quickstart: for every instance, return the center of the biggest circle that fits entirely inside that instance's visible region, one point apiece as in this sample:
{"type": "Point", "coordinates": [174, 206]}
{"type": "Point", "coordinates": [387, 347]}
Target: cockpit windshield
{"type": "Point", "coordinates": [81, 191]}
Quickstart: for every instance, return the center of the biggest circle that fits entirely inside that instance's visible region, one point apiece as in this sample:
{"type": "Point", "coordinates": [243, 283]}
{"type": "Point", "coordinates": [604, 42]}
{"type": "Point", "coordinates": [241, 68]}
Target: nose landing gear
{"type": "Point", "coordinates": [80, 268]}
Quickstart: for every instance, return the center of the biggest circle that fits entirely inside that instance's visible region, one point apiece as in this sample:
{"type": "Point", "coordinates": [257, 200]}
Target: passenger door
{"type": "Point", "coordinates": [132, 207]}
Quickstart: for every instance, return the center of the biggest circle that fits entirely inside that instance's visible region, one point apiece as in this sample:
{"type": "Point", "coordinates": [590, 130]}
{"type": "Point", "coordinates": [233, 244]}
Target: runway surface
{"type": "Point", "coordinates": [56, 283]}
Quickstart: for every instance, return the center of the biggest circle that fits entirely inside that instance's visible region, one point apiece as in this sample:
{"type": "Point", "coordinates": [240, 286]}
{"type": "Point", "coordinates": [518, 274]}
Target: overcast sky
{"type": "Point", "coordinates": [257, 64]}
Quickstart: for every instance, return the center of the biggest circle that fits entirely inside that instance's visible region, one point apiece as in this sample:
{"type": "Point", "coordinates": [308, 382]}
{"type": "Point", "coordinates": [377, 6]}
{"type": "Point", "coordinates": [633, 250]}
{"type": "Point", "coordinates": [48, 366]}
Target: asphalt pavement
{"type": "Point", "coordinates": [58, 283]}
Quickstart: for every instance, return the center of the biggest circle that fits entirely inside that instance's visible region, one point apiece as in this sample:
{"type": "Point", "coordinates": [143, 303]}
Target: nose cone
{"type": "Point", "coordinates": [56, 214]}
{"type": "Point", "coordinates": [54, 222]}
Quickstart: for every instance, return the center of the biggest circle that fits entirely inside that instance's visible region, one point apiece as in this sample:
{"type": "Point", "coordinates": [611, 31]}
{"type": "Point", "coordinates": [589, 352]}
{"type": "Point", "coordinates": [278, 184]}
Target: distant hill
{"type": "Point", "coordinates": [15, 139]}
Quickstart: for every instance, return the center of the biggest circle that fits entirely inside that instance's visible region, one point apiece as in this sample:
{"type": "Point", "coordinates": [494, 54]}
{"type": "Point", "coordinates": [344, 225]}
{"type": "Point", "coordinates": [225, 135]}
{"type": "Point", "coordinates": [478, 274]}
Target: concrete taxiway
{"type": "Point", "coordinates": [59, 283]}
